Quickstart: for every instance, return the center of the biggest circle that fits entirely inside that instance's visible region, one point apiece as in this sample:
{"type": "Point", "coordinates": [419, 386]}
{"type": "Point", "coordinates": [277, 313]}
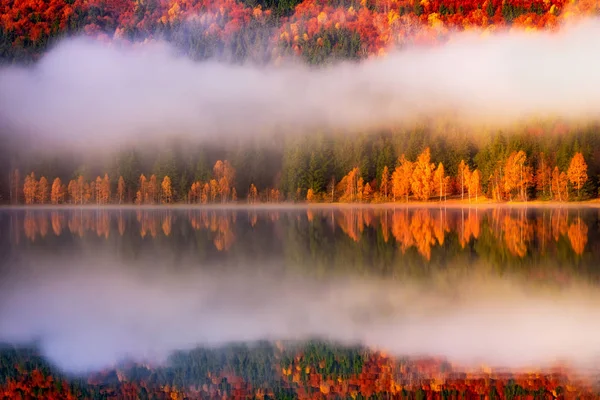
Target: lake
{"type": "Point", "coordinates": [510, 289]}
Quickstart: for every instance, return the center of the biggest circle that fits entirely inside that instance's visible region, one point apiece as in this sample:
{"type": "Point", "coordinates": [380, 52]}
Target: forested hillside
{"type": "Point", "coordinates": [265, 30]}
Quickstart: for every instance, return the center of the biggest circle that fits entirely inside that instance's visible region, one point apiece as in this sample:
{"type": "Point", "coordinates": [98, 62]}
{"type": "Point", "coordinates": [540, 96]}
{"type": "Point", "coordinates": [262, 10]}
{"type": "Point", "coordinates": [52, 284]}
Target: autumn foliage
{"type": "Point", "coordinates": [315, 29]}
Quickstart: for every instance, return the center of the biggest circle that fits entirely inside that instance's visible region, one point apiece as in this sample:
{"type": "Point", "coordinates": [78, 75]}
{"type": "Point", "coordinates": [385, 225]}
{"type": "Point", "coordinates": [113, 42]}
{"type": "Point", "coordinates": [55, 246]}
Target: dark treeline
{"type": "Point", "coordinates": [295, 165]}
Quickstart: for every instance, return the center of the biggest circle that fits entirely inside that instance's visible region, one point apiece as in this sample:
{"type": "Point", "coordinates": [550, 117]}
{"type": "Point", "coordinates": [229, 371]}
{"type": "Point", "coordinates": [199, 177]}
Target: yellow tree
{"type": "Point", "coordinates": [349, 186]}
{"type": "Point", "coordinates": [310, 195]}
{"type": "Point", "coordinates": [195, 192]}
{"type": "Point", "coordinates": [105, 189]}
{"type": "Point", "coordinates": [166, 191]}
{"type": "Point", "coordinates": [30, 188]}
{"type": "Point", "coordinates": [421, 178]}
{"type": "Point", "coordinates": [121, 189]}
{"type": "Point", "coordinates": [401, 178]}
{"type": "Point", "coordinates": [214, 190]}
{"type": "Point", "coordinates": [43, 190]}
{"type": "Point", "coordinates": [516, 174]}
{"type": "Point", "coordinates": [439, 181]}
{"type": "Point", "coordinates": [72, 190]}
{"type": "Point", "coordinates": [205, 193]}
{"type": "Point", "coordinates": [475, 183]}
{"type": "Point", "coordinates": [141, 194]}
{"type": "Point", "coordinates": [224, 175]}
{"type": "Point", "coordinates": [224, 189]}
{"type": "Point", "coordinates": [577, 172]}
{"type": "Point", "coordinates": [89, 190]}
{"type": "Point", "coordinates": [57, 193]}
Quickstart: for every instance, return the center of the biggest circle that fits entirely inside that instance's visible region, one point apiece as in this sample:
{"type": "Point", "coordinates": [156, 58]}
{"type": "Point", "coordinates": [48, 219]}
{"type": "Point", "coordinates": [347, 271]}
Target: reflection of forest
{"type": "Point", "coordinates": [515, 233]}
{"type": "Point", "coordinates": [314, 370]}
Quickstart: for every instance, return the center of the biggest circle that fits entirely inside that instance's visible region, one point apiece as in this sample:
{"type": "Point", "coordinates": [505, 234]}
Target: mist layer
{"type": "Point", "coordinates": [90, 314]}
{"type": "Point", "coordinates": [86, 93]}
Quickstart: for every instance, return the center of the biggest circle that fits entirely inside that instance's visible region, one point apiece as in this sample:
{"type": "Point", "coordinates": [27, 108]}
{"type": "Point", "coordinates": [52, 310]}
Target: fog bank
{"type": "Point", "coordinates": [90, 94]}
{"type": "Point", "coordinates": [90, 314]}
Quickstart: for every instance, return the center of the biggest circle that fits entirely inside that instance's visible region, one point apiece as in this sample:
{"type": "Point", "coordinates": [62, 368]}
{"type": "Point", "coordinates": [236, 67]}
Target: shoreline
{"type": "Point", "coordinates": [451, 204]}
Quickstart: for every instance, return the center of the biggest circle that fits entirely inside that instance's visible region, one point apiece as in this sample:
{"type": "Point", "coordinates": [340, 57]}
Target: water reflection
{"type": "Point", "coordinates": [515, 287]}
{"type": "Point", "coordinates": [519, 232]}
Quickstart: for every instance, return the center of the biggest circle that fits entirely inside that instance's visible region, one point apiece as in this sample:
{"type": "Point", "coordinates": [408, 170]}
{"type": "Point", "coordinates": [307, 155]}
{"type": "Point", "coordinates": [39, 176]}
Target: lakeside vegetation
{"type": "Point", "coordinates": [364, 169]}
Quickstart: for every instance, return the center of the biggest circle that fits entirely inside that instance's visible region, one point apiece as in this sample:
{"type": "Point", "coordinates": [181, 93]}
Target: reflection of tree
{"type": "Point", "coordinates": [57, 219]}
{"type": "Point", "coordinates": [517, 233]}
{"type": "Point", "coordinates": [30, 226]}
{"type": "Point", "coordinates": [219, 224]}
{"type": "Point", "coordinates": [167, 224]}
{"type": "Point", "coordinates": [501, 235]}
{"type": "Point", "coordinates": [578, 235]}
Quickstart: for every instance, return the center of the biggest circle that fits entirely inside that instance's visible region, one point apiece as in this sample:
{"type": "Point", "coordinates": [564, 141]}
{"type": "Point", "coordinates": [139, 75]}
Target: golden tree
{"type": "Point", "coordinates": [214, 190]}
{"type": "Point", "coordinates": [43, 190]}
{"type": "Point", "coordinates": [195, 192]}
{"type": "Point", "coordinates": [141, 194]}
{"type": "Point", "coordinates": [30, 188]}
{"type": "Point", "coordinates": [517, 175]}
{"type": "Point", "coordinates": [166, 191]}
{"type": "Point", "coordinates": [349, 186]}
{"type": "Point", "coordinates": [57, 193]}
{"type": "Point", "coordinates": [310, 195]}
{"type": "Point", "coordinates": [577, 172]}
{"type": "Point", "coordinates": [421, 178]}
{"type": "Point", "coordinates": [105, 192]}
{"type": "Point", "coordinates": [205, 193]}
{"type": "Point", "coordinates": [475, 183]}
{"type": "Point", "coordinates": [401, 178]}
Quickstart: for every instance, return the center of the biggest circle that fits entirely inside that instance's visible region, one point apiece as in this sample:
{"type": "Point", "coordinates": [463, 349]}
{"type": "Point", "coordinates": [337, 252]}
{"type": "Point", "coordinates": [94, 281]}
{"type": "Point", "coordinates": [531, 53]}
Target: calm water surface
{"type": "Point", "coordinates": [505, 287]}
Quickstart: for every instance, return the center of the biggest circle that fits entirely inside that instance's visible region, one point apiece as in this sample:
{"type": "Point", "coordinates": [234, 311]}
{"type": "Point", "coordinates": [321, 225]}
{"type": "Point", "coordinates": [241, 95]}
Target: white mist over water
{"type": "Point", "coordinates": [91, 313]}
{"type": "Point", "coordinates": [93, 95]}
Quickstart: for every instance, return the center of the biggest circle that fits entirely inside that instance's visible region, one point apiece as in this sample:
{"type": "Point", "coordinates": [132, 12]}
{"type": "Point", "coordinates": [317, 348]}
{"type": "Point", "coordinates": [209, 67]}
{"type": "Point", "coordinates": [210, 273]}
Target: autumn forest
{"type": "Point", "coordinates": [367, 169]}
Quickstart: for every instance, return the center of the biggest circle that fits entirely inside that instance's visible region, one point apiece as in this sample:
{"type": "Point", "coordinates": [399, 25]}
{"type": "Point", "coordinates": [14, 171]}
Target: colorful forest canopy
{"type": "Point", "coordinates": [274, 371]}
{"type": "Point", "coordinates": [265, 30]}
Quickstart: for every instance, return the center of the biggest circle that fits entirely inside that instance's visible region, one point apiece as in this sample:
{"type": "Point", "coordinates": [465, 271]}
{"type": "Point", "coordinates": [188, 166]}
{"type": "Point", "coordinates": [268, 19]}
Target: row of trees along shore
{"type": "Point", "coordinates": [514, 179]}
